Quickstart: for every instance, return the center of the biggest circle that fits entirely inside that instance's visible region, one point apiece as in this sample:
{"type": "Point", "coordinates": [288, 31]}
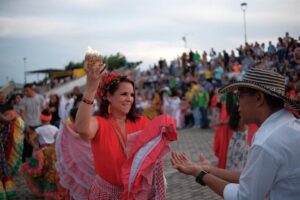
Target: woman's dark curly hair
{"type": "Point", "coordinates": [234, 117]}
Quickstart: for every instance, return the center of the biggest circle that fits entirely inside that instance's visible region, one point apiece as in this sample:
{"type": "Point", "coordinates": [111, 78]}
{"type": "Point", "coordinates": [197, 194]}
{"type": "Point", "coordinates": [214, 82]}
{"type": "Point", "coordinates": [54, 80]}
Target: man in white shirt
{"type": "Point", "coordinates": [31, 107]}
{"type": "Point", "coordinates": [273, 163]}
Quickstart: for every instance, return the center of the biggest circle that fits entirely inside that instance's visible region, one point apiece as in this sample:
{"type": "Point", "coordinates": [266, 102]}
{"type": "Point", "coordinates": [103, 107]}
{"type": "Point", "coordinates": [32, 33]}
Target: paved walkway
{"type": "Point", "coordinates": [180, 187]}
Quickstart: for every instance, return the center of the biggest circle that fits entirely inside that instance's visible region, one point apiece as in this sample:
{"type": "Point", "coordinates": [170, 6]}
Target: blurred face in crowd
{"type": "Point", "coordinates": [76, 91]}
{"type": "Point", "coordinates": [2, 98]}
{"type": "Point", "coordinates": [18, 99]}
{"type": "Point", "coordinates": [200, 88]}
{"type": "Point", "coordinates": [53, 98]}
{"type": "Point", "coordinates": [297, 55]}
{"type": "Point", "coordinates": [28, 92]}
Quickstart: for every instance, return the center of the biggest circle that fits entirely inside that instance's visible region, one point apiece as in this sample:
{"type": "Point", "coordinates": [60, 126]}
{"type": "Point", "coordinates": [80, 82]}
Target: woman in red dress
{"type": "Point", "coordinates": [109, 132]}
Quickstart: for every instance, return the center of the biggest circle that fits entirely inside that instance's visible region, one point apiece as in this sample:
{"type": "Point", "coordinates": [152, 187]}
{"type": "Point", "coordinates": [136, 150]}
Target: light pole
{"type": "Point", "coordinates": [24, 60]}
{"type": "Point", "coordinates": [244, 7]}
{"type": "Point", "coordinates": [185, 43]}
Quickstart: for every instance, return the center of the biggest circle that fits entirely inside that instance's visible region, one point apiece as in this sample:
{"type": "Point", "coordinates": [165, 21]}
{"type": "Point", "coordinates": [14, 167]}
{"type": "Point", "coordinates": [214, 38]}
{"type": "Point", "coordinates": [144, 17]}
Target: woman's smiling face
{"type": "Point", "coordinates": [122, 99]}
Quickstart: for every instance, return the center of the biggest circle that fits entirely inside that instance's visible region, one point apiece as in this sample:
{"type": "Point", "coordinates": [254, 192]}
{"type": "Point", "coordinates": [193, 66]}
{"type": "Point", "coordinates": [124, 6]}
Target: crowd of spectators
{"type": "Point", "coordinates": [195, 78]}
{"type": "Point", "coordinates": [187, 87]}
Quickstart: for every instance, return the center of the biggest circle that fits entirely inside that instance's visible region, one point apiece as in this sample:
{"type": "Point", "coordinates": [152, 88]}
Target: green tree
{"type": "Point", "coordinates": [73, 65]}
{"type": "Point", "coordinates": [134, 64]}
{"type": "Point", "coordinates": [113, 62]}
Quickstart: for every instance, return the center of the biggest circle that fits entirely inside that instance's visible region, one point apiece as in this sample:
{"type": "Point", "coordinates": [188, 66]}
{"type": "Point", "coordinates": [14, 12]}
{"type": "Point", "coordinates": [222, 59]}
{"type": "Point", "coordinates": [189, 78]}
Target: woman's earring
{"type": "Point", "coordinates": [109, 109]}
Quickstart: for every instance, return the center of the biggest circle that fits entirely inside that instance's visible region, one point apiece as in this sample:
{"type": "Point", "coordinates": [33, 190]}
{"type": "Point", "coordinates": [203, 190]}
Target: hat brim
{"type": "Point", "coordinates": [247, 84]}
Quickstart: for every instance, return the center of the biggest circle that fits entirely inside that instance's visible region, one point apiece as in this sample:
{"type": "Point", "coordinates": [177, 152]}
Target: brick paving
{"type": "Point", "coordinates": [180, 187]}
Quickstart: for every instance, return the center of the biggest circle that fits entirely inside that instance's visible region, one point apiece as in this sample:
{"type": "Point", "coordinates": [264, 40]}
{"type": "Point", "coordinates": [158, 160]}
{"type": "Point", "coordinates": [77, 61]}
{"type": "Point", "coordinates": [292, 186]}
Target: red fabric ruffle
{"type": "Point", "coordinates": [143, 182]}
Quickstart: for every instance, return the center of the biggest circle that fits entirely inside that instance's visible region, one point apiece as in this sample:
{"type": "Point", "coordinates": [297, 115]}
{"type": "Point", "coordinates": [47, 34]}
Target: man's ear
{"type": "Point", "coordinates": [260, 98]}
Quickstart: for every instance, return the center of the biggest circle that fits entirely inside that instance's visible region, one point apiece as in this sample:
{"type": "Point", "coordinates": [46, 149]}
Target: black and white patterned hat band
{"type": "Point", "coordinates": [268, 79]}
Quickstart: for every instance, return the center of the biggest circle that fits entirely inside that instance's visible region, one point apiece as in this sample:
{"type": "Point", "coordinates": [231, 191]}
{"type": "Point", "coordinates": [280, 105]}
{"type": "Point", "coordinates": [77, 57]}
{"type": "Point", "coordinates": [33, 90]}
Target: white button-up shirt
{"type": "Point", "coordinates": [273, 162]}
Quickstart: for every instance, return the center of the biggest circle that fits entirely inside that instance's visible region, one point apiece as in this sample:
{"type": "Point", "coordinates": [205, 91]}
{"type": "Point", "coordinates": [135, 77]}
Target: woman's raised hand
{"type": "Point", "coordinates": [94, 72]}
{"type": "Point", "coordinates": [94, 67]}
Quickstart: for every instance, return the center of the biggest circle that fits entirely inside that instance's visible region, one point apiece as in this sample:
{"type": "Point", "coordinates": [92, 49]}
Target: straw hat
{"type": "Point", "coordinates": [267, 81]}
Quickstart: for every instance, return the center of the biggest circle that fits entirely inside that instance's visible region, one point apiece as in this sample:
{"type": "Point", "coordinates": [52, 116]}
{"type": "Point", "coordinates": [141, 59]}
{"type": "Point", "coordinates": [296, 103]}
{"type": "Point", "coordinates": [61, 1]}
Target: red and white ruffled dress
{"type": "Point", "coordinates": [137, 175]}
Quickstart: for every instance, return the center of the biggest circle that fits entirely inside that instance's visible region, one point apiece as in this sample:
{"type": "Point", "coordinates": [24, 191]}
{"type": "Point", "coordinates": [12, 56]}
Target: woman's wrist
{"type": "Point", "coordinates": [91, 86]}
{"type": "Point", "coordinates": [196, 171]}
{"type": "Point", "coordinates": [89, 96]}
{"type": "Point", "coordinates": [90, 90]}
{"type": "Point", "coordinates": [87, 101]}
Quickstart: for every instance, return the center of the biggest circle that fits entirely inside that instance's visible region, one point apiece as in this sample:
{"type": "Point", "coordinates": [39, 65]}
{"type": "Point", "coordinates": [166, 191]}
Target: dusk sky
{"type": "Point", "coordinates": [50, 33]}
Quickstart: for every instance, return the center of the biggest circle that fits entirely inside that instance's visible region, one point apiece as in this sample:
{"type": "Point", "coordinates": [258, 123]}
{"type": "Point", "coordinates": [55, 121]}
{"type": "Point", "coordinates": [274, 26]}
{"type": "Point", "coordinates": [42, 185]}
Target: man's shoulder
{"type": "Point", "coordinates": [36, 96]}
{"type": "Point", "coordinates": [39, 96]}
{"type": "Point", "coordinates": [274, 137]}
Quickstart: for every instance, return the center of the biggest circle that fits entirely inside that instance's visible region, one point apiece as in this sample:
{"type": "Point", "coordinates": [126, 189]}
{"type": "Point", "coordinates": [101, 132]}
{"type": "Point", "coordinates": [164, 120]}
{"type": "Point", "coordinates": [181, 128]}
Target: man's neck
{"type": "Point", "coordinates": [265, 114]}
{"type": "Point", "coordinates": [31, 95]}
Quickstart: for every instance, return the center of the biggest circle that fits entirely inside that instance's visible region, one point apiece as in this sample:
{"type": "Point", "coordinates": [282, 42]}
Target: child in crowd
{"type": "Point", "coordinates": [39, 170]}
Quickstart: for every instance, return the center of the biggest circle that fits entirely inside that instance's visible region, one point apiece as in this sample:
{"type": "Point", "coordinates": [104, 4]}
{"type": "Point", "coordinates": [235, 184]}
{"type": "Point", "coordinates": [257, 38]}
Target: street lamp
{"type": "Point", "coordinates": [24, 60]}
{"type": "Point", "coordinates": [185, 43]}
{"type": "Point", "coordinates": [244, 7]}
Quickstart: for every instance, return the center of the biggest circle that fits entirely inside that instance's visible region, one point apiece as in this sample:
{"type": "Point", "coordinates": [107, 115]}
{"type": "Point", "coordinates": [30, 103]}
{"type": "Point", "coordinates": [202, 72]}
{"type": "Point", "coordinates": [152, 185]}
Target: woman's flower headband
{"type": "Point", "coordinates": [108, 79]}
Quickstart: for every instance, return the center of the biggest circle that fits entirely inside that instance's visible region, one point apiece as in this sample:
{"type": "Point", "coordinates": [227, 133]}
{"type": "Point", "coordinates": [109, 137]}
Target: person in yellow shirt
{"type": "Point", "coordinates": [209, 73]}
{"type": "Point", "coordinates": [155, 108]}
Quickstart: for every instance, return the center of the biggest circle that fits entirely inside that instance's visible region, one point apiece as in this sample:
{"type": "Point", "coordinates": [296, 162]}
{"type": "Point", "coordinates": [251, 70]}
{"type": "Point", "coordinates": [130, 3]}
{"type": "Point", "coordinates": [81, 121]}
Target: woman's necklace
{"type": "Point", "coordinates": [122, 136]}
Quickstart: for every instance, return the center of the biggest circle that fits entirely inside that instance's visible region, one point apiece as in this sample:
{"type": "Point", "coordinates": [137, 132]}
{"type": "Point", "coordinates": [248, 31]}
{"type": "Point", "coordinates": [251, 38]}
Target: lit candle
{"type": "Point", "coordinates": [92, 56]}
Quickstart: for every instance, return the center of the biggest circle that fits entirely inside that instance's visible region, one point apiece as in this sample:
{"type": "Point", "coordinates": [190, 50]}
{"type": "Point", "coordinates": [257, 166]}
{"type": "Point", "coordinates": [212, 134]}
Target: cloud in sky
{"type": "Point", "coordinates": [23, 27]}
{"type": "Point", "coordinates": [51, 33]}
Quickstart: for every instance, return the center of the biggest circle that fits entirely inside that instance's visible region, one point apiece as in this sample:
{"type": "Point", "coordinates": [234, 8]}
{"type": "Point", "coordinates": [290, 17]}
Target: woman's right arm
{"type": "Point", "coordinates": [86, 123]}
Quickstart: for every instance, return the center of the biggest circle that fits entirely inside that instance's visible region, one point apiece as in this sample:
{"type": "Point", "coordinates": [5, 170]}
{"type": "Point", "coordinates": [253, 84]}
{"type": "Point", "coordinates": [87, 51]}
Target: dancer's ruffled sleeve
{"type": "Point", "coordinates": [145, 158]}
{"type": "Point", "coordinates": [74, 164]}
